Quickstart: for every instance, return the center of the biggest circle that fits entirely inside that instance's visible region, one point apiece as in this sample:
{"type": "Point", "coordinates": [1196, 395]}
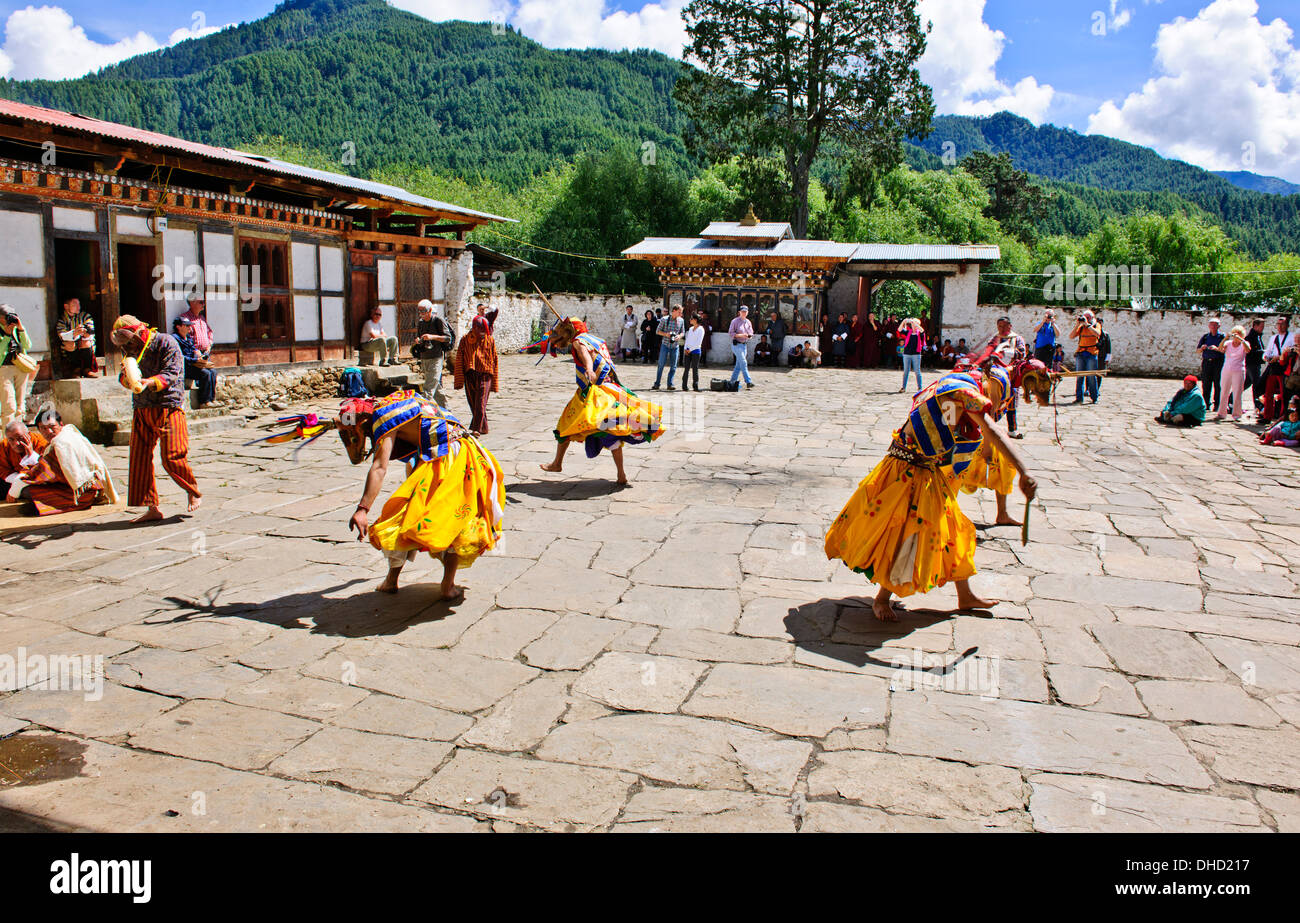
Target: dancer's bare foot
{"type": "Point", "coordinates": [553, 467]}
{"type": "Point", "coordinates": [196, 500]}
{"type": "Point", "coordinates": [622, 480]}
{"type": "Point", "coordinates": [153, 514]}
{"type": "Point", "coordinates": [449, 594]}
{"type": "Point", "coordinates": [883, 610]}
{"type": "Point", "coordinates": [390, 582]}
{"type": "Point", "coordinates": [1005, 519]}
{"type": "Point", "coordinates": [969, 600]}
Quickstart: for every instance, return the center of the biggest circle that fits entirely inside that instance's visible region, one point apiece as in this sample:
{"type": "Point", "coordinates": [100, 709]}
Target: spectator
{"type": "Point", "coordinates": [1211, 362]}
{"type": "Point", "coordinates": [824, 333]}
{"type": "Point", "coordinates": [1058, 359]}
{"type": "Point", "coordinates": [1255, 363]}
{"type": "Point", "coordinates": [196, 367]}
{"type": "Point", "coordinates": [763, 354]}
{"type": "Point", "coordinates": [868, 342]}
{"type": "Point", "coordinates": [671, 331]}
{"type": "Point", "coordinates": [70, 474]}
{"type": "Point", "coordinates": [16, 367]}
{"type": "Point", "coordinates": [1234, 350]}
{"type": "Point", "coordinates": [694, 349]}
{"type": "Point", "coordinates": [1285, 433]}
{"type": "Point", "coordinates": [648, 337]}
{"type": "Point", "coordinates": [489, 316]}
{"type": "Point", "coordinates": [1088, 334]}
{"type": "Point", "coordinates": [1011, 348]}
{"type": "Point", "coordinates": [75, 330]}
{"type": "Point", "coordinates": [812, 356]}
{"type": "Point", "coordinates": [1046, 335]}
{"type": "Point", "coordinates": [741, 331]}
{"type": "Point", "coordinates": [1185, 408]}
{"type": "Point", "coordinates": [962, 348]}
{"type": "Point", "coordinates": [627, 339]}
{"type": "Point", "coordinates": [433, 338]}
{"type": "Point", "coordinates": [196, 314]}
{"type": "Point", "coordinates": [947, 355]}
{"type": "Point", "coordinates": [1103, 353]}
{"type": "Point", "coordinates": [776, 333]}
{"type": "Point", "coordinates": [912, 340]}
{"type": "Point", "coordinates": [708, 338]}
{"type": "Point", "coordinates": [475, 370]}
{"type": "Point", "coordinates": [1280, 360]}
{"type": "Point", "coordinates": [840, 340]}
{"type": "Point", "coordinates": [889, 342]}
{"type": "Point", "coordinates": [378, 343]}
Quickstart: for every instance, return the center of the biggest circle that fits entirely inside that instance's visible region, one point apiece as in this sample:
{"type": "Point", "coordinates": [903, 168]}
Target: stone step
{"type": "Point", "coordinates": [199, 422]}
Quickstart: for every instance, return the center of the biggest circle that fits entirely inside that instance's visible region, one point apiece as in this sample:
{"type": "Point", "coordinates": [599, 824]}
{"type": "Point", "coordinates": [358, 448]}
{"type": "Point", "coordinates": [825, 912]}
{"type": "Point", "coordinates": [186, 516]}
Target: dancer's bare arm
{"type": "Point", "coordinates": [374, 484]}
{"type": "Point", "coordinates": [993, 433]}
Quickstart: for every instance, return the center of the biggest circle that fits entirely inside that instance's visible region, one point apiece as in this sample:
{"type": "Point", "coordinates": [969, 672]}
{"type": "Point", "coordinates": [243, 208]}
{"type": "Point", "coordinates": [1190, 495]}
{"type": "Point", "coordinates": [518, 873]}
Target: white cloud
{"type": "Point", "coordinates": [45, 42]}
{"type": "Point", "coordinates": [1227, 98]}
{"type": "Point", "coordinates": [469, 10]}
{"type": "Point", "coordinates": [960, 64]}
{"type": "Point", "coordinates": [1118, 18]}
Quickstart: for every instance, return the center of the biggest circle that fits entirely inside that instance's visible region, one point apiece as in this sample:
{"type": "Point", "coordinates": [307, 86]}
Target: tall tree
{"type": "Point", "coordinates": [1014, 200]}
{"type": "Point", "coordinates": [786, 76]}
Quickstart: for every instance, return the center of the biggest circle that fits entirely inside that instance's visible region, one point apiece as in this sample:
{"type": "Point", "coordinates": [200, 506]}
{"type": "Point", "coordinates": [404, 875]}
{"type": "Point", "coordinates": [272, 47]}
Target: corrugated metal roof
{"type": "Point", "coordinates": [91, 126]}
{"type": "Point", "coordinates": [925, 253]}
{"type": "Point", "coordinates": [764, 230]}
{"type": "Point", "coordinates": [696, 246]}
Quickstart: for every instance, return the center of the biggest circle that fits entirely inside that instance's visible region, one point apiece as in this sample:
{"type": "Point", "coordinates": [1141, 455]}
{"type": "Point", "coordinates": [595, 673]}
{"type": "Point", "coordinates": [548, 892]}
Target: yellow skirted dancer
{"type": "Point", "coordinates": [902, 527]}
{"type": "Point", "coordinates": [451, 502]}
{"type": "Point", "coordinates": [602, 414]}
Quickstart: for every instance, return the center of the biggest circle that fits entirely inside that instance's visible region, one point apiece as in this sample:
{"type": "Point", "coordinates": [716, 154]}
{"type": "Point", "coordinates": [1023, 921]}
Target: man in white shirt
{"type": "Point", "coordinates": [1279, 350]}
{"type": "Point", "coordinates": [374, 340]}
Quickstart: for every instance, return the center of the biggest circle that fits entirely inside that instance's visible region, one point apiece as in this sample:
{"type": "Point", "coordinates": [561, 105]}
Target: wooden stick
{"type": "Point", "coordinates": [548, 303]}
{"type": "Point", "coordinates": [1024, 526]}
{"type": "Point", "coordinates": [1081, 374]}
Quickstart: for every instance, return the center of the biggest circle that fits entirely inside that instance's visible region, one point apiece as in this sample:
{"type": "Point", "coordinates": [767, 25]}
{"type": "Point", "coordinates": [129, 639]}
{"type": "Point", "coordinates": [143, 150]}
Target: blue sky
{"type": "Point", "coordinates": [1219, 87]}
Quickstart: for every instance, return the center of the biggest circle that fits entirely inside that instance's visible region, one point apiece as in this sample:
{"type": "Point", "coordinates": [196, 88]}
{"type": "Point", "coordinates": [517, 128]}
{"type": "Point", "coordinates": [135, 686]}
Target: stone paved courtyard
{"type": "Point", "coordinates": [678, 655]}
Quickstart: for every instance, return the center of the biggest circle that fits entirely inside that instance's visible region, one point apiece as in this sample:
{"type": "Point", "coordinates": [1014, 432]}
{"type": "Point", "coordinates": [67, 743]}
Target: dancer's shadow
{"type": "Point", "coordinates": [848, 631]}
{"type": "Point", "coordinates": [29, 538]}
{"type": "Point", "coordinates": [567, 491]}
{"type": "Point", "coordinates": [325, 611]}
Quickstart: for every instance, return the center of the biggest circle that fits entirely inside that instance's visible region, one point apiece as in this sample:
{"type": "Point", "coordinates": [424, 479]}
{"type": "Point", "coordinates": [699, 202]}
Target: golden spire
{"type": "Point", "coordinates": [750, 219]}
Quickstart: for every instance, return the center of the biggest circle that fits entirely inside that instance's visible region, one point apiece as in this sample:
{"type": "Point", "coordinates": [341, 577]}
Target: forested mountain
{"type": "Point", "coordinates": [322, 74]}
{"type": "Point", "coordinates": [1262, 223]}
{"type": "Point", "coordinates": [1247, 180]}
{"type": "Point", "coordinates": [488, 115]}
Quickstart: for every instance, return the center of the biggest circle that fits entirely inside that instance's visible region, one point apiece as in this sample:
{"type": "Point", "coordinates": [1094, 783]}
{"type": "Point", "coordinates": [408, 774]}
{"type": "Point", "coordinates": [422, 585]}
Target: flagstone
{"type": "Point", "coordinates": [1095, 689]}
{"type": "Point", "coordinates": [990, 795]}
{"type": "Point", "coordinates": [1117, 591]}
{"type": "Point", "coordinates": [792, 700]}
{"type": "Point", "coordinates": [1271, 667]}
{"type": "Point", "coordinates": [681, 751]}
{"type": "Point", "coordinates": [232, 735]}
{"type": "Point", "coordinates": [1257, 756]}
{"type": "Point", "coordinates": [106, 712]}
{"type": "Point", "coordinates": [1088, 804]}
{"type": "Point", "coordinates": [363, 762]}
{"type": "Point", "coordinates": [684, 810]}
{"type": "Point", "coordinates": [528, 791]}
{"type": "Point", "coordinates": [180, 674]}
{"type": "Point", "coordinates": [1030, 735]}
{"type": "Point", "coordinates": [572, 642]}
{"type": "Point", "coordinates": [523, 718]}
{"type": "Point", "coordinates": [639, 682]}
{"type": "Point", "coordinates": [676, 607]}
{"type": "Point", "coordinates": [1204, 703]}
{"type": "Point", "coordinates": [1157, 652]}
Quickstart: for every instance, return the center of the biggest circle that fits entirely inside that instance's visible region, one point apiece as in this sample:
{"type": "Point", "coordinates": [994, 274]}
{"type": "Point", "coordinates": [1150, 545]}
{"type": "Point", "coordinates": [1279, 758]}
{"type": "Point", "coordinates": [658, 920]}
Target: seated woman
{"type": "Point", "coordinates": [57, 469]}
{"type": "Point", "coordinates": [1287, 432]}
{"type": "Point", "coordinates": [763, 354]}
{"type": "Point", "coordinates": [196, 367]}
{"type": "Point", "coordinates": [1186, 407]}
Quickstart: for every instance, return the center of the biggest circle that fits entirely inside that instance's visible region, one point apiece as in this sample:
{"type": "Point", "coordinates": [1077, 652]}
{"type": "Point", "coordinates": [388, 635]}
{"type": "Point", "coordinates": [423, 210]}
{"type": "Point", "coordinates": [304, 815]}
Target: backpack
{"type": "Point", "coordinates": [723, 384]}
{"type": "Point", "coordinates": [351, 383]}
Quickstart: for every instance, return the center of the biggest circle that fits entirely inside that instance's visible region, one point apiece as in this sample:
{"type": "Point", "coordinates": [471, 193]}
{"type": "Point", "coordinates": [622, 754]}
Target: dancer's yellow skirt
{"type": "Point", "coordinates": [453, 503]}
{"type": "Point", "coordinates": [993, 471]}
{"type": "Point", "coordinates": [603, 415]}
{"type": "Point", "coordinates": [902, 528]}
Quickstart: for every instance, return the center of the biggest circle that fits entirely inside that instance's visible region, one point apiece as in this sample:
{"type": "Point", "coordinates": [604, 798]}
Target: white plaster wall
{"type": "Point", "coordinates": [29, 303]}
{"type": "Point", "coordinates": [306, 318]}
{"type": "Point", "coordinates": [1155, 343]}
{"type": "Point", "coordinates": [23, 253]}
{"type": "Point", "coordinates": [603, 314]}
{"type": "Point", "coordinates": [73, 219]}
{"type": "Point", "coordinates": [331, 268]}
{"type": "Point", "coordinates": [304, 265]}
{"type": "Point", "coordinates": [332, 317]}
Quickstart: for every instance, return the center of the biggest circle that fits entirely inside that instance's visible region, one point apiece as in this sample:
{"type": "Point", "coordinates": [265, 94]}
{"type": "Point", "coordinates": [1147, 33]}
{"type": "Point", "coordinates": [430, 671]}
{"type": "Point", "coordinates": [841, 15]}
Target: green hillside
{"type": "Point", "coordinates": [323, 73]}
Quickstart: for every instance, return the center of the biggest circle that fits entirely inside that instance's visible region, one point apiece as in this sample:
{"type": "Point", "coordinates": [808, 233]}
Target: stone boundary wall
{"type": "Point", "coordinates": [1158, 343]}
{"type": "Point", "coordinates": [603, 314]}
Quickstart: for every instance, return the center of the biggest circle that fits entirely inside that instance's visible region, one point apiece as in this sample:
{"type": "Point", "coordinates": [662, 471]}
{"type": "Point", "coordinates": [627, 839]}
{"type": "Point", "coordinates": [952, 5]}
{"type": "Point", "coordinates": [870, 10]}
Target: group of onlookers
{"type": "Point", "coordinates": [1247, 355]}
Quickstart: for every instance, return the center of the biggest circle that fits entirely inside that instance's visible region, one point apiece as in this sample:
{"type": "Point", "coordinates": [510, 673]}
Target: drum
{"type": "Point", "coordinates": [130, 377]}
